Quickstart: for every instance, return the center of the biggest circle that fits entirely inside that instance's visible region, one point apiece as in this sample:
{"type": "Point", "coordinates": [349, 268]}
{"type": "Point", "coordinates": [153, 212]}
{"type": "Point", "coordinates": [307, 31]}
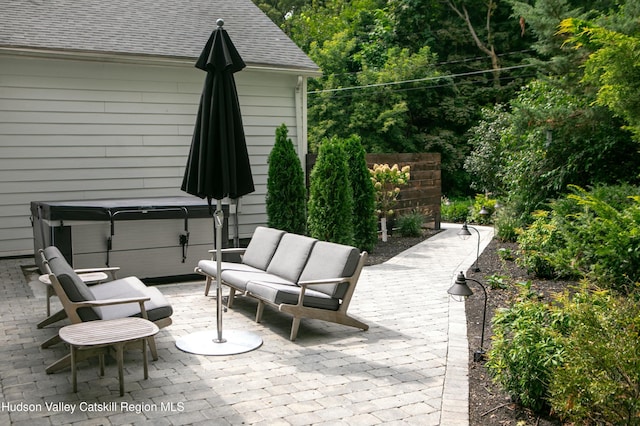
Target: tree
{"type": "Point", "coordinates": [365, 223]}
{"type": "Point", "coordinates": [331, 196]}
{"type": "Point", "coordinates": [613, 67]}
{"type": "Point", "coordinates": [286, 191]}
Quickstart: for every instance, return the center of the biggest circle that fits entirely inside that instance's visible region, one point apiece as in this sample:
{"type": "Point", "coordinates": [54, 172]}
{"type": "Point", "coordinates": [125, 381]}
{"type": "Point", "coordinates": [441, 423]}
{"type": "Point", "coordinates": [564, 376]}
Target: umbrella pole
{"type": "Point", "coordinates": [219, 217]}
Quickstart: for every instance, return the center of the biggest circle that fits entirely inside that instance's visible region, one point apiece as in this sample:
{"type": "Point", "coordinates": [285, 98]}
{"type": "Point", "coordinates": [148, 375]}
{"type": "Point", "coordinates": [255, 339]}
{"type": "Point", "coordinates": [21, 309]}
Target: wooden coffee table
{"type": "Point", "coordinates": [94, 337]}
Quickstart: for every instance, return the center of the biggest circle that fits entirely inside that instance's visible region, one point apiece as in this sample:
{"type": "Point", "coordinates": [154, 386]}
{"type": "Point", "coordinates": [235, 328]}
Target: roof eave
{"type": "Point", "coordinates": [127, 58]}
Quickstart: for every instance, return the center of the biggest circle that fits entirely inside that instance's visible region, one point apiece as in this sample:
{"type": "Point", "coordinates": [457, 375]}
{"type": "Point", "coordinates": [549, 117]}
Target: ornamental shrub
{"type": "Point", "coordinates": [365, 224]}
{"type": "Point", "coordinates": [455, 210]}
{"type": "Point", "coordinates": [599, 381]}
{"type": "Point", "coordinates": [526, 348]}
{"type": "Point", "coordinates": [286, 192]}
{"type": "Point", "coordinates": [331, 196]}
{"type": "Point", "coordinates": [387, 181]}
{"type": "Point", "coordinates": [410, 224]}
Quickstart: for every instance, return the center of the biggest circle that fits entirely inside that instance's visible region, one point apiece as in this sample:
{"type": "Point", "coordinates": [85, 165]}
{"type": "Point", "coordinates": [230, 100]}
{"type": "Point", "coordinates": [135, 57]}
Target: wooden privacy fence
{"type": "Point", "coordinates": [424, 189]}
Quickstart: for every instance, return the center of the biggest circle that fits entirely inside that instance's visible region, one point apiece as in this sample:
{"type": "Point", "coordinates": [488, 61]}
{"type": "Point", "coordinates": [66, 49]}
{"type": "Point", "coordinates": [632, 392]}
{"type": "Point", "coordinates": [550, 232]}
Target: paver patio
{"type": "Point", "coordinates": [410, 367]}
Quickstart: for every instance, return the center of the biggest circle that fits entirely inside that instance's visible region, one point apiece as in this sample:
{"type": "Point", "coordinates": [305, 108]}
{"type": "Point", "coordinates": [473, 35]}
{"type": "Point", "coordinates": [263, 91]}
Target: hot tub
{"type": "Point", "coordinates": [146, 237]}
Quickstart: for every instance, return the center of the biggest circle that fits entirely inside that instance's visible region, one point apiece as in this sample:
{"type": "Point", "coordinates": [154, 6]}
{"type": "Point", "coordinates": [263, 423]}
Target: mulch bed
{"type": "Point", "coordinates": [488, 404]}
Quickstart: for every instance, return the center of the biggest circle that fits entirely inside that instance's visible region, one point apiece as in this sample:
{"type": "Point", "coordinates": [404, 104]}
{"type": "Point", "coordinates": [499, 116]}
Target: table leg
{"type": "Point", "coordinates": [144, 358]}
{"type": "Point", "coordinates": [120, 358]}
{"type": "Point", "coordinates": [74, 376]}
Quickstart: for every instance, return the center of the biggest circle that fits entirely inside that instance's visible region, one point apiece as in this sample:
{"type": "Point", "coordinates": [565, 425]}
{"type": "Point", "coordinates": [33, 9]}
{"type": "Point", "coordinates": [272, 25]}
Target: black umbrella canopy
{"type": "Point", "coordinates": [218, 164]}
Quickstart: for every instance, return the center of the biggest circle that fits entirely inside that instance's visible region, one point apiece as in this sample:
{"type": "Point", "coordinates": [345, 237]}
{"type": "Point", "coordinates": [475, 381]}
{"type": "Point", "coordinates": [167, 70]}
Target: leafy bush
{"type": "Point", "coordinates": [603, 240]}
{"type": "Point", "coordinates": [537, 243]}
{"type": "Point", "coordinates": [455, 210]}
{"type": "Point", "coordinates": [286, 197]}
{"type": "Point", "coordinates": [365, 223]}
{"type": "Point", "coordinates": [482, 201]}
{"type": "Point", "coordinates": [527, 347]}
{"type": "Point", "coordinates": [410, 224]}
{"type": "Point", "coordinates": [387, 181]}
{"type": "Point", "coordinates": [507, 224]}
{"type": "Point", "coordinates": [599, 382]}
{"type": "Point", "coordinates": [331, 196]}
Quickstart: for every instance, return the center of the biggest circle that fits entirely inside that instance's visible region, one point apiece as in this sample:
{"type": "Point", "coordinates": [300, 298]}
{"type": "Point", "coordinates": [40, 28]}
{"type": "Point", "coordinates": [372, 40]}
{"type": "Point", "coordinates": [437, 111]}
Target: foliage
{"type": "Point", "coordinates": [331, 196]}
{"type": "Point", "coordinates": [365, 223]}
{"type": "Point", "coordinates": [603, 241]}
{"type": "Point", "coordinates": [455, 210]}
{"type": "Point", "coordinates": [527, 347]}
{"type": "Point", "coordinates": [613, 66]}
{"type": "Point", "coordinates": [599, 381]}
{"type": "Point", "coordinates": [574, 238]}
{"type": "Point", "coordinates": [410, 224]}
{"type": "Point", "coordinates": [286, 192]}
{"type": "Point", "coordinates": [482, 203]}
{"type": "Point", "coordinates": [507, 223]}
{"type": "Point", "coordinates": [387, 181]}
{"type": "Point", "coordinates": [496, 282]}
{"type": "Point", "coordinates": [537, 243]}
{"type": "Point", "coordinates": [551, 138]}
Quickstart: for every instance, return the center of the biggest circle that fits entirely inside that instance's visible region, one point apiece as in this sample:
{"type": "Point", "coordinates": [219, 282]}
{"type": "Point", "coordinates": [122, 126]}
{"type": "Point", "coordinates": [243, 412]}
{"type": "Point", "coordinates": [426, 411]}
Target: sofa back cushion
{"type": "Point", "coordinates": [291, 256]}
{"type": "Point", "coordinates": [262, 246]}
{"type": "Point", "coordinates": [330, 260]}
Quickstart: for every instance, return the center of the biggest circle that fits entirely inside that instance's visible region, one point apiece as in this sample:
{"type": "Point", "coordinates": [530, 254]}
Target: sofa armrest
{"type": "Point", "coordinates": [230, 250]}
{"type": "Point", "coordinates": [323, 281]}
{"type": "Point", "coordinates": [109, 270]}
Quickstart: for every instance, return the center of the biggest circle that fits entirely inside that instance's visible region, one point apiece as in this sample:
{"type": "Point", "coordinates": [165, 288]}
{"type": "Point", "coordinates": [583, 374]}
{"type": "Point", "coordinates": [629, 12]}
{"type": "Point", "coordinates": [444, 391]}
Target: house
{"type": "Point", "coordinates": [98, 99]}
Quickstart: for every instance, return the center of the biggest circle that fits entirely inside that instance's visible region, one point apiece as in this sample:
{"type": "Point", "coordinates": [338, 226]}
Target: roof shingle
{"type": "Point", "coordinates": [160, 28]}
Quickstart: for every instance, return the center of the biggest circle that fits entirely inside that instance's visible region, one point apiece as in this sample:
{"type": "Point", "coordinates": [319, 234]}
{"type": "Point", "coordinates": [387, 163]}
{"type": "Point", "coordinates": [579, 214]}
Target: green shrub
{"type": "Point", "coordinates": [410, 224]}
{"type": "Point", "coordinates": [497, 282]}
{"type": "Point", "coordinates": [331, 196]}
{"type": "Point", "coordinates": [507, 224]}
{"type": "Point", "coordinates": [603, 240]}
{"type": "Point", "coordinates": [455, 210]}
{"type": "Point", "coordinates": [286, 197]}
{"type": "Point", "coordinates": [537, 243]}
{"type": "Point", "coordinates": [365, 221]}
{"type": "Point", "coordinates": [599, 382]}
{"type": "Point", "coordinates": [482, 201]}
{"type": "Point", "coordinates": [527, 347]}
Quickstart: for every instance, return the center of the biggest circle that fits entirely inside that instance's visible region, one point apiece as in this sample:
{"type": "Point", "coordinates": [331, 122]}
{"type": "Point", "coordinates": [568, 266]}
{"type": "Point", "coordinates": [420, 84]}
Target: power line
{"type": "Point", "coordinates": [393, 83]}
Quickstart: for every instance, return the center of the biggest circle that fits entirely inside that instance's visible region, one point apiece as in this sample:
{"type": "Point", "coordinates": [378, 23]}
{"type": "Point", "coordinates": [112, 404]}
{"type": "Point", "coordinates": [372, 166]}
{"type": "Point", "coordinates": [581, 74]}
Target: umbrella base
{"type": "Point", "coordinates": [206, 342]}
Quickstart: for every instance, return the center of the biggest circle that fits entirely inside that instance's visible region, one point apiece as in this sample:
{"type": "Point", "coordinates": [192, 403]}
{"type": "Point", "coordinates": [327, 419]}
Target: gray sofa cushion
{"type": "Point", "coordinates": [330, 260]}
{"type": "Point", "coordinates": [209, 267]}
{"type": "Point", "coordinates": [262, 246]}
{"type": "Point", "coordinates": [157, 308]}
{"type": "Point", "coordinates": [279, 293]}
{"type": "Point", "coordinates": [239, 279]}
{"type": "Point", "coordinates": [291, 256]}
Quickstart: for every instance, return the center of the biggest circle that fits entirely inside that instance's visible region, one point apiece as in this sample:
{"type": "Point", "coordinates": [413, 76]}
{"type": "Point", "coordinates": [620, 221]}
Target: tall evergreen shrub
{"type": "Point", "coordinates": [365, 222]}
{"type": "Point", "coordinates": [331, 196]}
{"type": "Point", "coordinates": [286, 191]}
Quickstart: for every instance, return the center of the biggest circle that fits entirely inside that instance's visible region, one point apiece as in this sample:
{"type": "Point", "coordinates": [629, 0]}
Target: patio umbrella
{"type": "Point", "coordinates": [218, 167]}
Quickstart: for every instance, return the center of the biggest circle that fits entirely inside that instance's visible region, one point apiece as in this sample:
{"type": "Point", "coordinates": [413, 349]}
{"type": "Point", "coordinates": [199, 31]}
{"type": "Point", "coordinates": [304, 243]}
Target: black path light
{"type": "Point", "coordinates": [464, 233]}
{"type": "Point", "coordinates": [461, 289]}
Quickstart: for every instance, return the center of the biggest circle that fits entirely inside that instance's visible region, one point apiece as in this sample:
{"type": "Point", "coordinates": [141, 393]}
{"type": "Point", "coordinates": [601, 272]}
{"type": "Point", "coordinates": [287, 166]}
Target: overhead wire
{"type": "Point", "coordinates": [417, 80]}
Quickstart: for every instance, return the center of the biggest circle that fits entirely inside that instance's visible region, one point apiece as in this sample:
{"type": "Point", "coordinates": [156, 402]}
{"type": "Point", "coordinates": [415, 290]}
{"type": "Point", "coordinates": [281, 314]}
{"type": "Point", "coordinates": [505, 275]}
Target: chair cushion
{"type": "Point", "coordinates": [239, 279]}
{"type": "Point", "coordinates": [262, 246]}
{"type": "Point", "coordinates": [330, 260]}
{"type": "Point", "coordinates": [157, 308]}
{"type": "Point", "coordinates": [291, 256]}
{"type": "Point", "coordinates": [72, 284]}
{"type": "Point", "coordinates": [279, 293]}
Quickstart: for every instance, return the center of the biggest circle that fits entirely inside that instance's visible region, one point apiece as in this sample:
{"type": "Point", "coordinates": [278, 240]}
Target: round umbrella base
{"type": "Point", "coordinates": [206, 342]}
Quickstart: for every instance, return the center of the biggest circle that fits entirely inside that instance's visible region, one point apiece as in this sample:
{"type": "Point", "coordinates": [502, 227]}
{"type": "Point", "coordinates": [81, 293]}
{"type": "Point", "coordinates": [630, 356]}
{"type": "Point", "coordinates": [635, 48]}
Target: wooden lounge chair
{"type": "Point", "coordinates": [121, 298]}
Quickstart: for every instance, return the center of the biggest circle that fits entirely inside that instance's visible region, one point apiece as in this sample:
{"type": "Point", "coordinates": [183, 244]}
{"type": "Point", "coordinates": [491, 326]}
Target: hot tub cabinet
{"type": "Point", "coordinates": [145, 237]}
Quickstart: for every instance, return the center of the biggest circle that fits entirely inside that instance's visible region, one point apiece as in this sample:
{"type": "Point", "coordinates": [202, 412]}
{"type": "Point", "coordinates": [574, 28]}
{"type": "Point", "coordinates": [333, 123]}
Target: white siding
{"type": "Point", "coordinates": [72, 130]}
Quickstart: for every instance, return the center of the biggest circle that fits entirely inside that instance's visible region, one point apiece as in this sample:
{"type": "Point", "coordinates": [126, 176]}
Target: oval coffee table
{"type": "Point", "coordinates": [95, 336]}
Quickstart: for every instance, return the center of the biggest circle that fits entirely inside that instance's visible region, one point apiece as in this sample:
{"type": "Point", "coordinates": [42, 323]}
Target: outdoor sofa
{"type": "Point", "coordinates": [298, 275]}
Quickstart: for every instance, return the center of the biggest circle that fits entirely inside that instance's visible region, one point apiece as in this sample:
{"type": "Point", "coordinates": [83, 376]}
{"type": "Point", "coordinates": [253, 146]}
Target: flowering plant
{"type": "Point", "coordinates": [387, 182]}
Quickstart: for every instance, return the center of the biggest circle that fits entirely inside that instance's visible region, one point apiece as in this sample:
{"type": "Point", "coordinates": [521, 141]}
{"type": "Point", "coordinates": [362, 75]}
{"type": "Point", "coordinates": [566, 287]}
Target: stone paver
{"type": "Point", "coordinates": [410, 367]}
